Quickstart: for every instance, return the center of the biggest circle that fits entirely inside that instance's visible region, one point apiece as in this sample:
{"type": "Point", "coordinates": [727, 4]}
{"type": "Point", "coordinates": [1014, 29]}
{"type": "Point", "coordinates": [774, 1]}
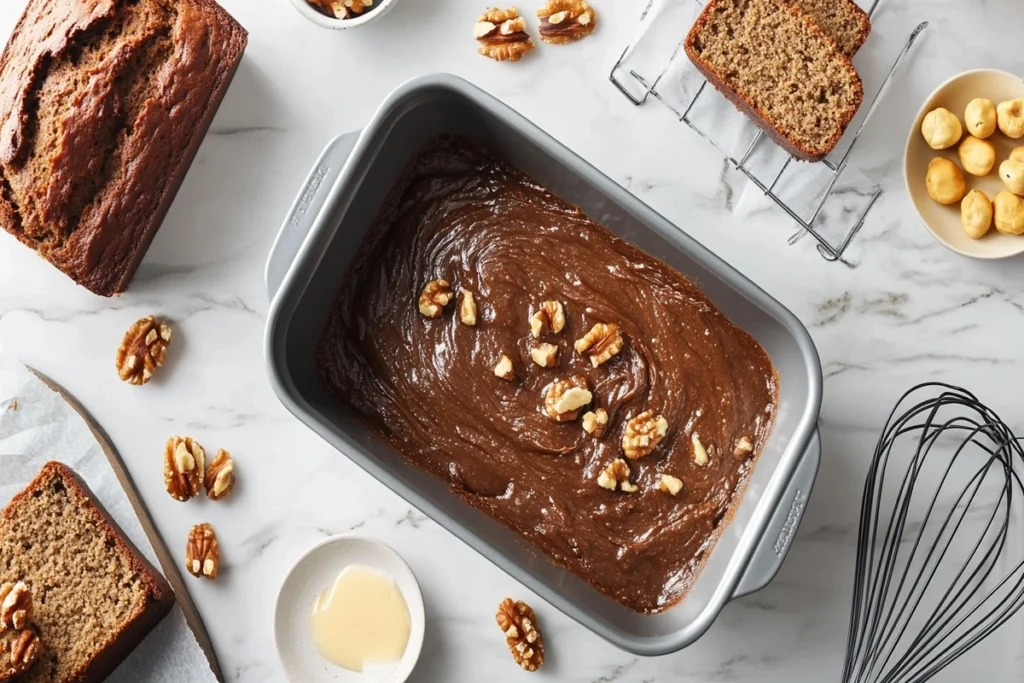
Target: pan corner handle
{"type": "Point", "coordinates": [305, 210]}
{"type": "Point", "coordinates": [771, 553]}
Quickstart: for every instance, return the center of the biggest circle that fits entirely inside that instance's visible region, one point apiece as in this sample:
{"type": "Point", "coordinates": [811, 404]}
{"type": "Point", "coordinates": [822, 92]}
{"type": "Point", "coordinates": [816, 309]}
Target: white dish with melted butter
{"type": "Point", "coordinates": [349, 603]}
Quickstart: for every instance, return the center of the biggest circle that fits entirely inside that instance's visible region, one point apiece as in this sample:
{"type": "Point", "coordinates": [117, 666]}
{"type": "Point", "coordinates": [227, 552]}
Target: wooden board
{"type": "Point", "coordinates": [167, 560]}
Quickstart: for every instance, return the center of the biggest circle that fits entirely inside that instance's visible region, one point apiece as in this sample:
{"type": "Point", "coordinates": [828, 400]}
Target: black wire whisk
{"type": "Point", "coordinates": [940, 555]}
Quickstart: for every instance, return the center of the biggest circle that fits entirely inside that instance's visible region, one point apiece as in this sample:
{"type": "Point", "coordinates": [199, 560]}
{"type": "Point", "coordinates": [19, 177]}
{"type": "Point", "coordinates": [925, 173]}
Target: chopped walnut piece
{"type": "Point", "coordinates": [700, 454]}
{"type": "Point", "coordinates": [142, 350]}
{"type": "Point", "coordinates": [26, 648]}
{"type": "Point", "coordinates": [202, 554]}
{"type": "Point", "coordinates": [616, 475]}
{"type": "Point", "coordinates": [184, 467]}
{"type": "Point", "coordinates": [595, 422]}
{"type": "Point", "coordinates": [519, 624]}
{"type": "Point", "coordinates": [601, 344]}
{"type": "Point", "coordinates": [341, 9]}
{"type": "Point", "coordinates": [545, 355]}
{"type": "Point", "coordinates": [502, 35]}
{"type": "Point", "coordinates": [220, 476]}
{"type": "Point", "coordinates": [564, 398]}
{"type": "Point", "coordinates": [504, 368]}
{"type": "Point", "coordinates": [15, 606]}
{"type": "Point", "coordinates": [643, 433]}
{"type": "Point", "coordinates": [435, 296]}
{"type": "Point", "coordinates": [467, 308]}
{"type": "Point", "coordinates": [744, 447]}
{"type": "Point", "coordinates": [566, 21]}
{"type": "Point", "coordinates": [550, 316]}
{"type": "Point", "coordinates": [670, 484]}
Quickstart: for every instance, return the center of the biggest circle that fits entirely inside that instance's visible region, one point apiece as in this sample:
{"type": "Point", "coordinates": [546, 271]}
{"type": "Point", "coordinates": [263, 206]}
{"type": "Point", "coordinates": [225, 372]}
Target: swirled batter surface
{"type": "Point", "coordinates": [427, 386]}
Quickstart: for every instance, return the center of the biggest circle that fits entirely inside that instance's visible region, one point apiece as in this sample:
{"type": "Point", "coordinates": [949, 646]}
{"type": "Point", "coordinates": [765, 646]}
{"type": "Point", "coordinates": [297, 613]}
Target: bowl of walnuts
{"type": "Point", "coordinates": [964, 164]}
{"type": "Point", "coordinates": [343, 14]}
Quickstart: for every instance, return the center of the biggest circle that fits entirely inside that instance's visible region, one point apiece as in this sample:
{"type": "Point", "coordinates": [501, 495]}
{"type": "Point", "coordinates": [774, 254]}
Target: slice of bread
{"type": "Point", "coordinates": [779, 68]}
{"type": "Point", "coordinates": [96, 597]}
{"type": "Point", "coordinates": [842, 20]}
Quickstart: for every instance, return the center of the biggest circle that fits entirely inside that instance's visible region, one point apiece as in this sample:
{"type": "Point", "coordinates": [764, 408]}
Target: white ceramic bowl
{"type": "Point", "coordinates": [380, 8]}
{"type": "Point", "coordinates": [944, 221]}
{"type": "Point", "coordinates": [315, 571]}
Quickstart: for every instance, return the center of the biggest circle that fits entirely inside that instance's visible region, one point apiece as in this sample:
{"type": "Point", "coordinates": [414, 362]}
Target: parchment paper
{"type": "Point", "coordinates": [37, 426]}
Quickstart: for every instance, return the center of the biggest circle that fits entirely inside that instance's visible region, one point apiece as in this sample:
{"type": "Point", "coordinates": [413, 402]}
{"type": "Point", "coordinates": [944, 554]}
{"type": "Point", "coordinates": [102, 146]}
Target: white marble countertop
{"type": "Point", "coordinates": [910, 311]}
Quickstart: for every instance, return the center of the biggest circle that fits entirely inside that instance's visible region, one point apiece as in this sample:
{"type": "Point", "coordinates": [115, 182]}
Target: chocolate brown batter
{"type": "Point", "coordinates": [428, 387]}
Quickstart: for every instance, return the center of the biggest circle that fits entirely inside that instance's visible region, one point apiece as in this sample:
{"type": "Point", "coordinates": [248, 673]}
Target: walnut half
{"type": "Point", "coordinates": [550, 316]}
{"type": "Point", "coordinates": [595, 422]}
{"type": "Point", "coordinates": [25, 649]}
{"type": "Point", "coordinates": [602, 343]}
{"type": "Point", "coordinates": [202, 554]}
{"type": "Point", "coordinates": [643, 433]}
{"type": "Point", "coordinates": [566, 21]}
{"type": "Point", "coordinates": [142, 350]}
{"type": "Point", "coordinates": [519, 624]}
{"type": "Point", "coordinates": [15, 606]}
{"type": "Point", "coordinates": [220, 476]}
{"type": "Point", "coordinates": [616, 475]}
{"type": "Point", "coordinates": [564, 398]}
{"type": "Point", "coordinates": [184, 467]}
{"type": "Point", "coordinates": [434, 297]}
{"type": "Point", "coordinates": [502, 35]}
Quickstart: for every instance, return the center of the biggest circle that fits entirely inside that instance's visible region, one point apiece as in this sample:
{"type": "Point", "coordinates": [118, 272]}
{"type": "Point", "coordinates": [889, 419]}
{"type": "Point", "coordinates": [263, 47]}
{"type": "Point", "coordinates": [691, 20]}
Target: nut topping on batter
{"type": "Point", "coordinates": [595, 422]}
{"type": "Point", "coordinates": [504, 368]}
{"type": "Point", "coordinates": [434, 297]}
{"type": "Point", "coordinates": [643, 433]}
{"type": "Point", "coordinates": [744, 447]}
{"type": "Point", "coordinates": [564, 398]}
{"type": "Point", "coordinates": [700, 454]}
{"type": "Point", "coordinates": [545, 355]}
{"type": "Point", "coordinates": [566, 21]}
{"type": "Point", "coordinates": [467, 308]}
{"type": "Point", "coordinates": [502, 35]}
{"type": "Point", "coordinates": [601, 344]}
{"type": "Point", "coordinates": [670, 484]}
{"type": "Point", "coordinates": [616, 475]}
{"type": "Point", "coordinates": [550, 316]}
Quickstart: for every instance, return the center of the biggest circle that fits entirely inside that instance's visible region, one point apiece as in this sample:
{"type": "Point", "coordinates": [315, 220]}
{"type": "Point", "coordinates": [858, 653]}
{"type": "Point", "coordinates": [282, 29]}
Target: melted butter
{"type": "Point", "coordinates": [362, 619]}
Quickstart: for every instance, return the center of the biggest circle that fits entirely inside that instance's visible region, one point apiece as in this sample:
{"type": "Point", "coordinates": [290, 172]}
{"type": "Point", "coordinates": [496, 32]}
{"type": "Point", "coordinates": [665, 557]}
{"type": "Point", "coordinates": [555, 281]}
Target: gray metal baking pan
{"type": "Point", "coordinates": [321, 235]}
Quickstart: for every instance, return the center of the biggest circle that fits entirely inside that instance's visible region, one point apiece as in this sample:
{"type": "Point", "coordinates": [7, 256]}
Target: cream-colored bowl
{"type": "Point", "coordinates": [944, 221]}
{"type": "Point", "coordinates": [380, 8]}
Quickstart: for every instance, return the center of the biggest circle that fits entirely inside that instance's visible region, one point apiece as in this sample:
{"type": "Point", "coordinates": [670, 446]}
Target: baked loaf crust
{"type": "Point", "coordinates": [777, 66]}
{"type": "Point", "coordinates": [103, 105]}
{"type": "Point", "coordinates": [96, 596]}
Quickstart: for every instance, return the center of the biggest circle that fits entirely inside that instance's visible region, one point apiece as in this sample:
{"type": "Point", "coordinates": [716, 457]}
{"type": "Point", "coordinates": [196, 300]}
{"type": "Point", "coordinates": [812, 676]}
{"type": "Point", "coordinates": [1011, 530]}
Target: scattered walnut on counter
{"type": "Point", "coordinates": [202, 554]}
{"type": "Point", "coordinates": [467, 308]}
{"type": "Point", "coordinates": [595, 422]}
{"type": "Point", "coordinates": [670, 484]}
{"type": "Point", "coordinates": [564, 398]}
{"type": "Point", "coordinates": [220, 476]}
{"type": "Point", "coordinates": [13, 406]}
{"type": "Point", "coordinates": [550, 316]}
{"type": "Point", "coordinates": [700, 454]}
{"type": "Point", "coordinates": [616, 475]}
{"type": "Point", "coordinates": [504, 368]}
{"type": "Point", "coordinates": [566, 21]}
{"type": "Point", "coordinates": [142, 350]}
{"type": "Point", "coordinates": [184, 467]}
{"type": "Point", "coordinates": [519, 624]}
{"type": "Point", "coordinates": [502, 35]}
{"type": "Point", "coordinates": [15, 606]}
{"type": "Point", "coordinates": [602, 343]}
{"type": "Point", "coordinates": [26, 648]}
{"type": "Point", "coordinates": [744, 447]}
{"type": "Point", "coordinates": [435, 296]}
{"type": "Point", "coordinates": [643, 433]}
{"type": "Point", "coordinates": [545, 355]}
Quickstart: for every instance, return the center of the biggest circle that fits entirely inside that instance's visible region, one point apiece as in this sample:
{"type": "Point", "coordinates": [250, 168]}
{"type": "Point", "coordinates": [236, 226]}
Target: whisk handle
{"type": "Point", "coordinates": [775, 543]}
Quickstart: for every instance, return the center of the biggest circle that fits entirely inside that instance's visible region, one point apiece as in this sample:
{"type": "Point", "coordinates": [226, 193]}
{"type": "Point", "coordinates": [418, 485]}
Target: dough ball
{"type": "Point", "coordinates": [980, 117]}
{"type": "Point", "coordinates": [1012, 174]}
{"type": "Point", "coordinates": [976, 214]}
{"type": "Point", "coordinates": [945, 181]}
{"type": "Point", "coordinates": [941, 128]}
{"type": "Point", "coordinates": [977, 156]}
{"type": "Point", "coordinates": [1009, 211]}
{"type": "Point", "coordinates": [1017, 154]}
{"type": "Point", "coordinates": [1010, 115]}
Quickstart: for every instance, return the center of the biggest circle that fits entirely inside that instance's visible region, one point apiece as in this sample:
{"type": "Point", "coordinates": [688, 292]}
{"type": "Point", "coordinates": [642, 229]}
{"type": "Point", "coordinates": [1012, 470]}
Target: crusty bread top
{"type": "Point", "coordinates": [90, 584]}
{"type": "Point", "coordinates": [778, 65]}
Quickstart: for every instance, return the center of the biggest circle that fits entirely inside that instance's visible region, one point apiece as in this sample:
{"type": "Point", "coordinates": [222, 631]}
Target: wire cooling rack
{"type": "Point", "coordinates": [829, 200]}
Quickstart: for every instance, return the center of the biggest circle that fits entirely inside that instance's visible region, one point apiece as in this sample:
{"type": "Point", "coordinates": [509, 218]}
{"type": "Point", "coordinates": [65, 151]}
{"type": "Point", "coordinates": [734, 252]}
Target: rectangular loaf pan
{"type": "Point", "coordinates": [321, 235]}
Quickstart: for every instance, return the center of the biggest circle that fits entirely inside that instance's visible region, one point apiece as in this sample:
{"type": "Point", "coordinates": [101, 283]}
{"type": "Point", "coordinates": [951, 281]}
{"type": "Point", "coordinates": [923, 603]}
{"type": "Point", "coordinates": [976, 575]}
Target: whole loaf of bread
{"type": "Point", "coordinates": [103, 104]}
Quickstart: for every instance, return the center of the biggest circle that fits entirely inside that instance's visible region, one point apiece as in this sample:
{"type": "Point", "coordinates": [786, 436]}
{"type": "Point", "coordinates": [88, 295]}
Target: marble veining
{"type": "Point", "coordinates": [909, 311]}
